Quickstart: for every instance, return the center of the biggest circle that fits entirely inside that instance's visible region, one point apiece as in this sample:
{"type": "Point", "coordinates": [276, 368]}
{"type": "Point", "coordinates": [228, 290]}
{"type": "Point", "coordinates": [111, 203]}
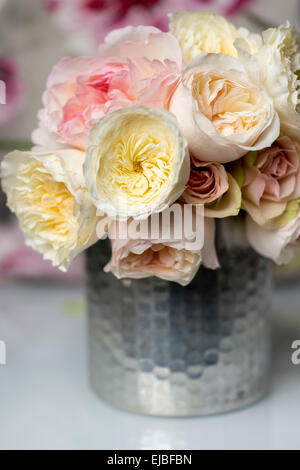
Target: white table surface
{"type": "Point", "coordinates": [46, 401]}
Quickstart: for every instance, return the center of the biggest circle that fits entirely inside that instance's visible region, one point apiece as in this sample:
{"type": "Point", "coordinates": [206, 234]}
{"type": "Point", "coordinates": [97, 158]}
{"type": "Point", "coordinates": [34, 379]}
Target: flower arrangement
{"type": "Point", "coordinates": [206, 115]}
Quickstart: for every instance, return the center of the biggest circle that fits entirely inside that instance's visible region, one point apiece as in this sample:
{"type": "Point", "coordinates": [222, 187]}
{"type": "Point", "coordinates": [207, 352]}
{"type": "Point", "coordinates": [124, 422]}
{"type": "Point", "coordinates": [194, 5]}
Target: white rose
{"type": "Point", "coordinates": [252, 42]}
{"type": "Point", "coordinates": [223, 109]}
{"type": "Point", "coordinates": [137, 162]}
{"type": "Point", "coordinates": [279, 60]}
{"type": "Point", "coordinates": [46, 191]}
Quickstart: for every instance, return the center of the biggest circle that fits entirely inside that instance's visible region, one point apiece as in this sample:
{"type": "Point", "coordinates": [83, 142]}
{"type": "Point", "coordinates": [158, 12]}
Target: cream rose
{"type": "Point", "coordinates": [46, 191]}
{"type": "Point", "coordinates": [167, 259]}
{"type": "Point", "coordinates": [211, 185]}
{"type": "Point", "coordinates": [204, 31]}
{"type": "Point", "coordinates": [279, 60]}
{"type": "Point", "coordinates": [280, 245]}
{"type": "Point", "coordinates": [137, 162]}
{"type": "Point", "coordinates": [223, 109]}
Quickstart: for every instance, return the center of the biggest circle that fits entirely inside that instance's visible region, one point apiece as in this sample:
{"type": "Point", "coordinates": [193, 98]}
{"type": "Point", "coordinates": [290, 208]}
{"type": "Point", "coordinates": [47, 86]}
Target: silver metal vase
{"type": "Point", "coordinates": [161, 349]}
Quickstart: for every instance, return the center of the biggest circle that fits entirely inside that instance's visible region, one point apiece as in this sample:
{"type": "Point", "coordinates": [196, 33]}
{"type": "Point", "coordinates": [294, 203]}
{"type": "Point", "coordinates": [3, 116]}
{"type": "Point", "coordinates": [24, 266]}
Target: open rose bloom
{"type": "Point", "coordinates": [204, 116]}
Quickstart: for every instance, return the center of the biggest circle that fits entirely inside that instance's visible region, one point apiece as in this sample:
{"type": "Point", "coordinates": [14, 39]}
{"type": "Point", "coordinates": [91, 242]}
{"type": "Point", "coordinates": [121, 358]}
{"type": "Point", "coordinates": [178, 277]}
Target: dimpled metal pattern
{"type": "Point", "coordinates": [161, 349]}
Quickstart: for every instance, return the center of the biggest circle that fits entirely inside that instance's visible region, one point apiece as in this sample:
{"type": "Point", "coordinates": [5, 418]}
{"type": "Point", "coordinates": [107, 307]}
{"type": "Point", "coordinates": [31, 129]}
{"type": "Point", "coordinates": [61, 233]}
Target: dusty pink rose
{"type": "Point", "coordinates": [137, 66]}
{"type": "Point", "coordinates": [210, 184]}
{"type": "Point", "coordinates": [280, 245]}
{"type": "Point", "coordinates": [271, 182]}
{"type": "Point", "coordinates": [95, 18]}
{"type": "Point", "coordinates": [168, 259]}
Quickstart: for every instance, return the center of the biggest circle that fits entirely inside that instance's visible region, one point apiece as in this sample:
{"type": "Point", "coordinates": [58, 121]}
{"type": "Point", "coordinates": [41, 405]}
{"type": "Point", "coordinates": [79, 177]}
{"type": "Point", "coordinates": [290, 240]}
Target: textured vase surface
{"type": "Point", "coordinates": [161, 349]}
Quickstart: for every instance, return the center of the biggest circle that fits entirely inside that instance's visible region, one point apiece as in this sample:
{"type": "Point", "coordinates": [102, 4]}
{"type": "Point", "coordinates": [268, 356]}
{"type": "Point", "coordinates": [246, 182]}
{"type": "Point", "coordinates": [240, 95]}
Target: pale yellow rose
{"type": "Point", "coordinates": [203, 32]}
{"type": "Point", "coordinates": [137, 162]}
{"type": "Point", "coordinates": [46, 191]}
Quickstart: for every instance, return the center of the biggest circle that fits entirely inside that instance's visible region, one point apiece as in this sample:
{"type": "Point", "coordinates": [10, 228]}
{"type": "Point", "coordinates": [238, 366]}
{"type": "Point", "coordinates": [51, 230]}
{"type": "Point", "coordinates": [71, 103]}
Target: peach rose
{"type": "Point", "coordinates": [167, 259]}
{"type": "Point", "coordinates": [223, 109]}
{"type": "Point", "coordinates": [210, 184]}
{"type": "Point", "coordinates": [271, 182]}
{"type": "Point", "coordinates": [280, 245]}
{"type": "Point", "coordinates": [136, 66]}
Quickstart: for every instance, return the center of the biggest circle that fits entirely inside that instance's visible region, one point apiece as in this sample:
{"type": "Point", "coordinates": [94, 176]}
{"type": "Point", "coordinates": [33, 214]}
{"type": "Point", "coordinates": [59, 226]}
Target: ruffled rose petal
{"type": "Point", "coordinates": [141, 41]}
{"type": "Point", "coordinates": [223, 109]}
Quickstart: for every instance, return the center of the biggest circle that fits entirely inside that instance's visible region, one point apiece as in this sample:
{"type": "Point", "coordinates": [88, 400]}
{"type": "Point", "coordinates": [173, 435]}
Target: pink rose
{"type": "Point", "coordinates": [280, 245]}
{"type": "Point", "coordinates": [271, 182]}
{"type": "Point", "coordinates": [211, 185]}
{"type": "Point", "coordinates": [168, 259]}
{"type": "Point", "coordinates": [137, 66]}
{"type": "Point", "coordinates": [169, 263]}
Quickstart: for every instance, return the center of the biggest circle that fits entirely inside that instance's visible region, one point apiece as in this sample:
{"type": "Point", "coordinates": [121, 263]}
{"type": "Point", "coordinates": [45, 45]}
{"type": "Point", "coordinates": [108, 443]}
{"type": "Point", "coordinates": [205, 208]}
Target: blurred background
{"type": "Point", "coordinates": [41, 309]}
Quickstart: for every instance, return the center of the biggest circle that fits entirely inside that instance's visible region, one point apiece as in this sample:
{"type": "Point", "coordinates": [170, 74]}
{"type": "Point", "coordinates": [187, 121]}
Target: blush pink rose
{"type": "Point", "coordinates": [166, 262]}
{"type": "Point", "coordinates": [167, 259]}
{"type": "Point", "coordinates": [137, 66]}
{"type": "Point", "coordinates": [271, 182]}
{"type": "Point", "coordinates": [210, 184]}
{"type": "Point", "coordinates": [280, 245]}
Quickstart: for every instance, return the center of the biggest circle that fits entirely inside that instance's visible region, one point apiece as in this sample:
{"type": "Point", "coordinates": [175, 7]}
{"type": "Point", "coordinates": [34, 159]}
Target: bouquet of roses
{"type": "Point", "coordinates": [205, 115]}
